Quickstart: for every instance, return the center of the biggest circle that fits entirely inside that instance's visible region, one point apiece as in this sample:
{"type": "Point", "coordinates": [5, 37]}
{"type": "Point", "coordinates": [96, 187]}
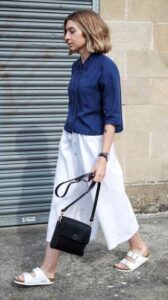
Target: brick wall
{"type": "Point", "coordinates": [139, 34]}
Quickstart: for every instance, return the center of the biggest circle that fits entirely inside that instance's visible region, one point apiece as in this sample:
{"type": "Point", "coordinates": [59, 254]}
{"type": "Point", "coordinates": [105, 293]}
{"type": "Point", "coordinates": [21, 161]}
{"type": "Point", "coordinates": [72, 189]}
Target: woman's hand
{"type": "Point", "coordinates": [99, 169]}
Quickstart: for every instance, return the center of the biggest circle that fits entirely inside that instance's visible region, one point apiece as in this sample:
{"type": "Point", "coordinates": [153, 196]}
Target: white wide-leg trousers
{"type": "Point", "coordinates": [77, 155]}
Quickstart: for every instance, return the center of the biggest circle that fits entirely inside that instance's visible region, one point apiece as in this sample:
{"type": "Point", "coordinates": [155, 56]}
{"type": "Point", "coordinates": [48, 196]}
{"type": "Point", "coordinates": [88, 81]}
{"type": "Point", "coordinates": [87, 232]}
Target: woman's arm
{"type": "Point", "coordinates": [108, 137]}
{"type": "Point", "coordinates": [100, 167]}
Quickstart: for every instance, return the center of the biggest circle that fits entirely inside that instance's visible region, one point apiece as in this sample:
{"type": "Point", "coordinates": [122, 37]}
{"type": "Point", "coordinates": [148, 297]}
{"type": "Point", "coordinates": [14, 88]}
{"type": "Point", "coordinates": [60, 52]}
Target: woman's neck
{"type": "Point", "coordinates": [84, 53]}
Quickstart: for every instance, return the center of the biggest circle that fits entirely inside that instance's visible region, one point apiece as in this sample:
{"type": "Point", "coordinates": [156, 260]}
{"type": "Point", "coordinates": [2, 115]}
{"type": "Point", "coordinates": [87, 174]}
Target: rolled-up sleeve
{"type": "Point", "coordinates": [111, 96]}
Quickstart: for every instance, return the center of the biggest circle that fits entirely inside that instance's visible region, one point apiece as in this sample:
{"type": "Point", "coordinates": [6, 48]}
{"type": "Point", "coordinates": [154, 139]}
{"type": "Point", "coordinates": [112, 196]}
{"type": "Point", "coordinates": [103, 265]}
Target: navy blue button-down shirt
{"type": "Point", "coordinates": [94, 96]}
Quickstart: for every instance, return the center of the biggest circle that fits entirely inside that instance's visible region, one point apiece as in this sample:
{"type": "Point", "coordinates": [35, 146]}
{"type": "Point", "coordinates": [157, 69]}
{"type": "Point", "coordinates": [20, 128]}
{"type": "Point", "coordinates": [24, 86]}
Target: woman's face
{"type": "Point", "coordinates": [74, 37]}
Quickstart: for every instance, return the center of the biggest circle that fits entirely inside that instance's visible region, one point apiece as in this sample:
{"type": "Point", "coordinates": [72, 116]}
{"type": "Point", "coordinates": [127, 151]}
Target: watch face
{"type": "Point", "coordinates": [105, 155]}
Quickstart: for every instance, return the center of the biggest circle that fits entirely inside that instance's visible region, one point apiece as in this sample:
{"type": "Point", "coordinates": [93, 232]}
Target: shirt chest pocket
{"type": "Point", "coordinates": [88, 85]}
{"type": "Point", "coordinates": [89, 95]}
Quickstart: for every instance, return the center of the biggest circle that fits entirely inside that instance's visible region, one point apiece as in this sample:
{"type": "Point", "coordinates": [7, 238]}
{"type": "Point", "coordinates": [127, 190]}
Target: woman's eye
{"type": "Point", "coordinates": [72, 31]}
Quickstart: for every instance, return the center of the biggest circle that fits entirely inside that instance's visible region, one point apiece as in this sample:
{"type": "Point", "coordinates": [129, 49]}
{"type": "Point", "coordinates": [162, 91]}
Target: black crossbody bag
{"type": "Point", "coordinates": [71, 235]}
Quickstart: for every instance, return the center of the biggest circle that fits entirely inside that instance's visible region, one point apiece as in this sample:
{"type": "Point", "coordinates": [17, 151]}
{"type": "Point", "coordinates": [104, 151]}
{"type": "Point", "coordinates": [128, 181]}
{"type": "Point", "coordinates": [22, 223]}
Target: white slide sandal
{"type": "Point", "coordinates": [137, 261]}
{"type": "Point", "coordinates": [39, 279]}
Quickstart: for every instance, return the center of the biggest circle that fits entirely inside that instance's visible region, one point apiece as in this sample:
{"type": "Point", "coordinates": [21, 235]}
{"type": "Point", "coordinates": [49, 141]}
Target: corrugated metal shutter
{"type": "Point", "coordinates": [34, 72]}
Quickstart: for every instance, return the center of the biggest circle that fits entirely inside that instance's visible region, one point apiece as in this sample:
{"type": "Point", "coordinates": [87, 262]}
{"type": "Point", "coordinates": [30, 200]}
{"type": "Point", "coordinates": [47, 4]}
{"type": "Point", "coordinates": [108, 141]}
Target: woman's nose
{"type": "Point", "coordinates": [67, 37]}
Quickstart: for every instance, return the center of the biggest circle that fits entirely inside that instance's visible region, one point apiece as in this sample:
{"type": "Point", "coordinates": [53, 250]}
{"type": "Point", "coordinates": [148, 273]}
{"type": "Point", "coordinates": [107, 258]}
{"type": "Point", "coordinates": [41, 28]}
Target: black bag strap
{"type": "Point", "coordinates": [95, 202]}
{"type": "Point", "coordinates": [78, 179]}
{"type": "Point", "coordinates": [89, 176]}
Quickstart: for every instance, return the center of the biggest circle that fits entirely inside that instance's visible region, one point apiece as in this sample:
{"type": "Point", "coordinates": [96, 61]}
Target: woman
{"type": "Point", "coordinates": [87, 145]}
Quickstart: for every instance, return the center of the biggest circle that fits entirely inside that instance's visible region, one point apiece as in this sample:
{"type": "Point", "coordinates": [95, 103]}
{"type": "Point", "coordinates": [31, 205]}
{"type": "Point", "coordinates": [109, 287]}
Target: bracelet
{"type": "Point", "coordinates": [105, 155]}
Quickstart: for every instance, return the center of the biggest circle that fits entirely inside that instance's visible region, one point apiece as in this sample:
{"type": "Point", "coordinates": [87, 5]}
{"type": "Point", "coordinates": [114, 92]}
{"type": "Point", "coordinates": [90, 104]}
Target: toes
{"type": "Point", "coordinates": [20, 278]}
{"type": "Point", "coordinates": [121, 266]}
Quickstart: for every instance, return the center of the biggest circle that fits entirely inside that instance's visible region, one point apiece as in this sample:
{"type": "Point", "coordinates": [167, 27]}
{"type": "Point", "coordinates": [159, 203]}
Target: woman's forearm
{"type": "Point", "coordinates": [108, 137]}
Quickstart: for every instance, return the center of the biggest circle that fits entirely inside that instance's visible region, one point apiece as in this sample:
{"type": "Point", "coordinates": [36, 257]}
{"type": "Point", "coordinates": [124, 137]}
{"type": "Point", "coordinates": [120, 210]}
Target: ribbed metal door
{"type": "Point", "coordinates": [34, 73]}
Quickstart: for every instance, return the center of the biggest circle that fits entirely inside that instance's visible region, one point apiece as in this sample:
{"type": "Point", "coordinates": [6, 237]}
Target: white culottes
{"type": "Point", "coordinates": [77, 155]}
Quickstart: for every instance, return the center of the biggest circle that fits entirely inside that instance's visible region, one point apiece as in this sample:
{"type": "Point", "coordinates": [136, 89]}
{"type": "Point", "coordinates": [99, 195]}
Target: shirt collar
{"type": "Point", "coordinates": [87, 61]}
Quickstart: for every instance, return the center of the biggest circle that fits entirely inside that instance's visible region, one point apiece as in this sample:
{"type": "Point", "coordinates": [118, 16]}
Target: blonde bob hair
{"type": "Point", "coordinates": [94, 30]}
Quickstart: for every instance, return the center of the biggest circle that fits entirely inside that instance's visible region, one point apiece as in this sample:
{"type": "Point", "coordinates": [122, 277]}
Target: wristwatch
{"type": "Point", "coordinates": [105, 155]}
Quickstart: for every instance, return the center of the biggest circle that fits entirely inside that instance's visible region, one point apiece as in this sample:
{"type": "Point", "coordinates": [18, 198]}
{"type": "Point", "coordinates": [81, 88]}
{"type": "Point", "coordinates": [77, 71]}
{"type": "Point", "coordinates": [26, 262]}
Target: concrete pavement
{"type": "Point", "coordinates": [90, 277]}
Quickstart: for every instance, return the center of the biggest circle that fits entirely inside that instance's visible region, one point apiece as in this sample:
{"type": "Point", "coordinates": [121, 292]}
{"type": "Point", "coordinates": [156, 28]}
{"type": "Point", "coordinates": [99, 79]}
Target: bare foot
{"type": "Point", "coordinates": [21, 277]}
{"type": "Point", "coordinates": [123, 266]}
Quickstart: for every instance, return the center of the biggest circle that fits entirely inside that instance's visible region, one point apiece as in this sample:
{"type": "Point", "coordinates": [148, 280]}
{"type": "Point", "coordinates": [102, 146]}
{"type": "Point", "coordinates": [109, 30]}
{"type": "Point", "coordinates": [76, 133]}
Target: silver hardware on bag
{"type": "Point", "coordinates": [60, 217]}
